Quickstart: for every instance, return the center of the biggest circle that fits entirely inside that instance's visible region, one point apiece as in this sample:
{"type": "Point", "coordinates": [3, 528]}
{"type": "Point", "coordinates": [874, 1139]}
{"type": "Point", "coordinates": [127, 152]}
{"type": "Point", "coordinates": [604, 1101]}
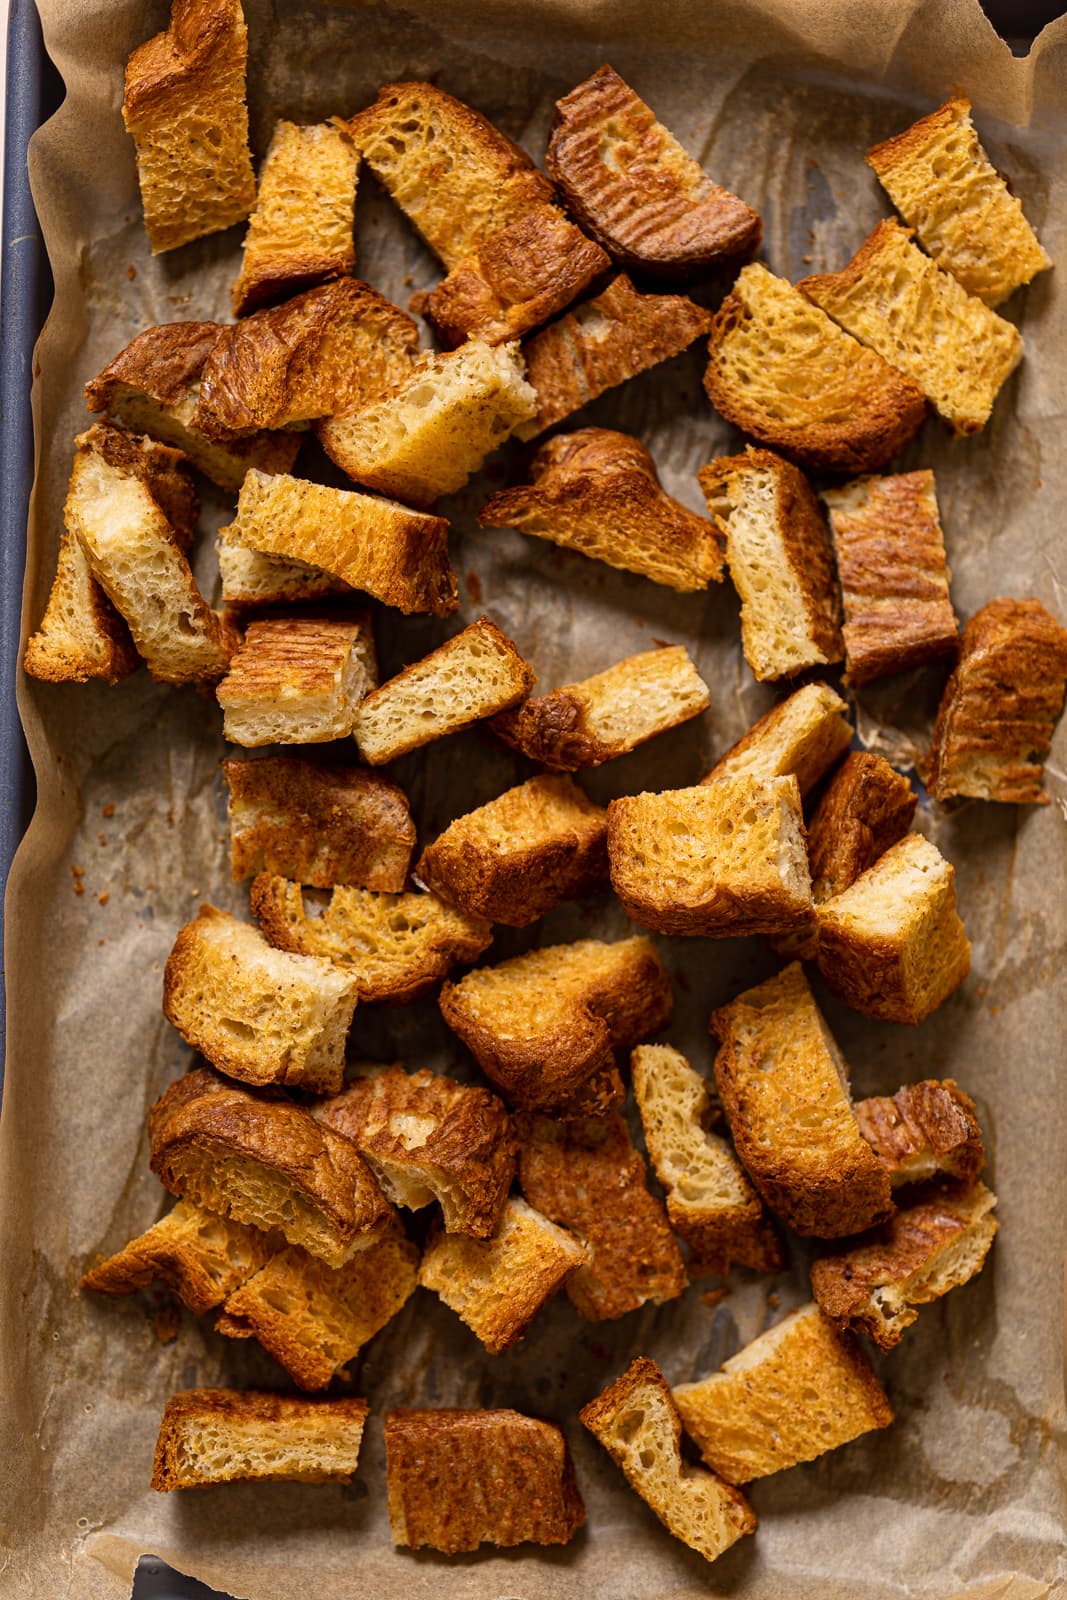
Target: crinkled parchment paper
{"type": "Point", "coordinates": [964, 1493]}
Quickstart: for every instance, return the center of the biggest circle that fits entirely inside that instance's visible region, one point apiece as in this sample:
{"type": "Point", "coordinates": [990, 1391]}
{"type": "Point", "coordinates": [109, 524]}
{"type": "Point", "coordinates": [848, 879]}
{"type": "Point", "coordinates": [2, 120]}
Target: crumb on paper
{"type": "Point", "coordinates": [78, 873]}
{"type": "Point", "coordinates": [108, 810]}
{"type": "Point", "coordinates": [166, 1322]}
{"type": "Point", "coordinates": [101, 839]}
{"type": "Point", "coordinates": [474, 588]}
{"type": "Point", "coordinates": [131, 272]}
{"type": "Point", "coordinates": [103, 897]}
{"type": "Point", "coordinates": [773, 1299]}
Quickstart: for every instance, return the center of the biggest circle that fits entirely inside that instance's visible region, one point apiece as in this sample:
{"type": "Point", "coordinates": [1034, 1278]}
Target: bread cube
{"type": "Point", "coordinates": [252, 580]}
{"type": "Point", "coordinates": [244, 1435]}
{"type": "Point", "coordinates": [297, 680]}
{"type": "Point", "coordinates": [926, 1130]}
{"type": "Point", "coordinates": [201, 1256]}
{"type": "Point", "coordinates": [803, 735]}
{"type": "Point", "coordinates": [865, 808]}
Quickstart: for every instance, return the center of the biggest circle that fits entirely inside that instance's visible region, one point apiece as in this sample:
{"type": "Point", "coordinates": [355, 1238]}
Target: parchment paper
{"type": "Point", "coordinates": [965, 1492]}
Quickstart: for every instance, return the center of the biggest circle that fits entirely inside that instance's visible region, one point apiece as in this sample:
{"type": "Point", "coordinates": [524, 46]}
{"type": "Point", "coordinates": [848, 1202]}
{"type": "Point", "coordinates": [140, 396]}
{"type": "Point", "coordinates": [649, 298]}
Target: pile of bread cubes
{"type": "Point", "coordinates": [291, 1182]}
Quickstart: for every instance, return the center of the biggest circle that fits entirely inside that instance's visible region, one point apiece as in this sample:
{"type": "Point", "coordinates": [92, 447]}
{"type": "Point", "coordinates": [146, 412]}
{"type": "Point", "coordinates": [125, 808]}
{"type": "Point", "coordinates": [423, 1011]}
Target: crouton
{"type": "Point", "coordinates": [710, 1202]}
{"type": "Point", "coordinates": [898, 302]}
{"type": "Point", "coordinates": [426, 1137]}
{"type": "Point", "coordinates": [943, 183]}
{"type": "Point", "coordinates": [601, 343]}
{"type": "Point", "coordinates": [266, 1162]}
{"type": "Point", "coordinates": [892, 945]}
{"type": "Point", "coordinates": [796, 1391]}
{"type": "Point", "coordinates": [184, 104]}
{"type": "Point", "coordinates": [319, 825]}
{"type": "Point", "coordinates": [458, 1479]}
{"type": "Point", "coordinates": [300, 232]}
{"type": "Point", "coordinates": [471, 676]}
{"type": "Point", "coordinates": [297, 680]}
{"type": "Point", "coordinates": [202, 1257]}
{"type": "Point", "coordinates": [597, 491]}
{"type": "Point", "coordinates": [803, 735]}
{"type": "Point", "coordinates": [254, 581]}
{"type": "Point", "coordinates": [639, 1425]}
{"type": "Point", "coordinates": [926, 1130]}
{"type": "Point", "coordinates": [781, 371]}
{"type": "Point", "coordinates": [1000, 706]}
{"type": "Point", "coordinates": [498, 1285]}
{"type": "Point", "coordinates": [865, 808]}
{"type": "Point", "coordinates": [543, 1024]}
{"type": "Point", "coordinates": [778, 552]}
{"type": "Point", "coordinates": [894, 577]}
{"type": "Point", "coordinates": [241, 1435]}
{"type": "Point", "coordinates": [784, 1087]}
{"type": "Point", "coordinates": [514, 859]}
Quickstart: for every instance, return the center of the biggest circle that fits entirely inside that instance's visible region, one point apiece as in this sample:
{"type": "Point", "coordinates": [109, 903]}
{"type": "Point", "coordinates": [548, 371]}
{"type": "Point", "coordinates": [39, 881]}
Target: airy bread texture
{"type": "Point", "coordinates": [471, 676]}
{"type": "Point", "coordinates": [498, 1285]}
{"type": "Point", "coordinates": [458, 1479]}
{"type": "Point", "coordinates": [778, 552]}
{"type": "Point", "coordinates": [802, 735]}
{"type": "Point", "coordinates": [722, 859]}
{"type": "Point", "coordinates": [864, 809]}
{"type": "Point", "coordinates": [629, 181]}
{"type": "Point", "coordinates": [943, 183]}
{"type": "Point", "coordinates": [896, 300]}
{"type": "Point", "coordinates": [796, 1391]}
{"type": "Point", "coordinates": [300, 233]}
{"type": "Point", "coordinates": [892, 945]}
{"type": "Point", "coordinates": [710, 1202]}
{"type": "Point", "coordinates": [585, 724]}
{"type": "Point", "coordinates": [515, 858]}
{"type": "Point", "coordinates": [784, 1087]}
{"type": "Point", "coordinates": [184, 104]}
{"type": "Point", "coordinates": [926, 1130]}
{"type": "Point", "coordinates": [1000, 706]}
{"type": "Point", "coordinates": [586, 1175]}
{"type": "Point", "coordinates": [318, 825]}
{"type": "Point", "coordinates": [543, 1024]}
{"type": "Point", "coordinates": [238, 1435]}
{"type": "Point", "coordinates": [201, 1256]}
{"type": "Point", "coordinates": [639, 1425]}
{"type": "Point", "coordinates": [894, 576]}
{"type": "Point", "coordinates": [251, 580]}
{"type": "Point", "coordinates": [597, 491]}
{"type": "Point", "coordinates": [297, 680]}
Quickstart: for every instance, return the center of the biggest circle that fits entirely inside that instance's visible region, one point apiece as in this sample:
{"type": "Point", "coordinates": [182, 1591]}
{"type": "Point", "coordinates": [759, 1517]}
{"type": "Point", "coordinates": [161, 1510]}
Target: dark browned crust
{"type": "Point", "coordinates": [865, 808]}
{"type": "Point", "coordinates": [161, 362]}
{"type": "Point", "coordinates": [173, 61]}
{"type": "Point", "coordinates": [200, 1275]}
{"type": "Point", "coordinates": [243, 1406]}
{"type": "Point", "coordinates": [742, 1237]}
{"type": "Point", "coordinates": [929, 1125]}
{"type": "Point", "coordinates": [821, 749]}
{"type": "Point", "coordinates": [165, 473]}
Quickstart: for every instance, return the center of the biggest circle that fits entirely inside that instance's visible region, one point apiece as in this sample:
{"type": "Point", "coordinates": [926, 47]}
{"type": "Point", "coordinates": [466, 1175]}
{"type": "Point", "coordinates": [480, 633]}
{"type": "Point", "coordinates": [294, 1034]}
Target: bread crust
{"type": "Point", "coordinates": [298, 679]}
{"type": "Point", "coordinates": [803, 734]}
{"type": "Point", "coordinates": [927, 1130]}
{"type": "Point", "coordinates": [329, 1432]}
{"type": "Point", "coordinates": [201, 1256]}
{"type": "Point", "coordinates": [864, 809]}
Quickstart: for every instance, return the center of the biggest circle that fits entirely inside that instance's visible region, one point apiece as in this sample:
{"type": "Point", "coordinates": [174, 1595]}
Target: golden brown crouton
{"type": "Point", "coordinates": [238, 1435]}
{"type": "Point", "coordinates": [297, 680]}
{"type": "Point", "coordinates": [803, 735]}
{"type": "Point", "coordinates": [254, 581]}
{"type": "Point", "coordinates": [865, 808]}
{"type": "Point", "coordinates": [201, 1256]}
{"type": "Point", "coordinates": [926, 1130]}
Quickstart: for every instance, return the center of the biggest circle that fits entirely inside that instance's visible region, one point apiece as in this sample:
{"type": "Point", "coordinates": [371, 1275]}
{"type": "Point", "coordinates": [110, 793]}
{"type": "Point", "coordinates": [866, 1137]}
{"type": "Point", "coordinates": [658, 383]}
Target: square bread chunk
{"type": "Point", "coordinates": [585, 1174]}
{"type": "Point", "coordinates": [585, 724]}
{"type": "Point", "coordinates": [796, 1391]}
{"type": "Point", "coordinates": [803, 735]}
{"type": "Point", "coordinates": [297, 680]}
{"type": "Point", "coordinates": [597, 491]}
{"type": "Point", "coordinates": [926, 1130]}
{"type": "Point", "coordinates": [943, 183]}
{"type": "Point", "coordinates": [543, 1024]}
{"type": "Point", "coordinates": [721, 859]}
{"type": "Point", "coordinates": [877, 1286]}
{"type": "Point", "coordinates": [784, 1087]}
{"type": "Point", "coordinates": [515, 858]}
{"type": "Point", "coordinates": [778, 552]}
{"type": "Point", "coordinates": [710, 1202]}
{"type": "Point", "coordinates": [201, 1256]}
{"type": "Point", "coordinates": [184, 104]}
{"type": "Point", "coordinates": [252, 580]}
{"type": "Point", "coordinates": [892, 945]}
{"type": "Point", "coordinates": [897, 301]}
{"type": "Point", "coordinates": [458, 1479]}
{"type": "Point", "coordinates": [241, 1435]}
{"type": "Point", "coordinates": [498, 1285]}
{"type": "Point", "coordinates": [300, 232]}
{"type": "Point", "coordinates": [638, 1423]}
{"type": "Point", "coordinates": [864, 809]}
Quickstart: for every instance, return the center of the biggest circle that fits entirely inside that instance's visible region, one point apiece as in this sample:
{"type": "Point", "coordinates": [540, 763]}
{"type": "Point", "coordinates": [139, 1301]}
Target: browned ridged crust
{"type": "Point", "coordinates": [925, 1130]}
{"type": "Point", "coordinates": [244, 1407]}
{"type": "Point", "coordinates": [865, 808]}
{"type": "Point", "coordinates": [201, 1256]}
{"type": "Point", "coordinates": [283, 657]}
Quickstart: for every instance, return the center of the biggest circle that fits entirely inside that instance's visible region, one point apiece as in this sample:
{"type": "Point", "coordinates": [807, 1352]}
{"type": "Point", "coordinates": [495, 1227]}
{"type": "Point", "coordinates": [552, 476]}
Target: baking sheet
{"type": "Point", "coordinates": [965, 1492]}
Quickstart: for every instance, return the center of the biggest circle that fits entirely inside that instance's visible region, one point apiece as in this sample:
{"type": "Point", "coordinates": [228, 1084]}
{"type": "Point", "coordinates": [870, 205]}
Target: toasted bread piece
{"type": "Point", "coordinates": [943, 183]}
{"type": "Point", "coordinates": [778, 551]}
{"type": "Point", "coordinates": [542, 1024]}
{"type": "Point", "coordinates": [498, 1285]}
{"type": "Point", "coordinates": [297, 680]}
{"type": "Point", "coordinates": [898, 302]}
{"type": "Point", "coordinates": [201, 1256]}
{"type": "Point", "coordinates": [803, 735]}
{"type": "Point", "coordinates": [300, 233]}
{"type": "Point", "coordinates": [721, 859]}
{"type": "Point", "coordinates": [639, 1425]}
{"type": "Point", "coordinates": [436, 424]}
{"type": "Point", "coordinates": [796, 1391]}
{"type": "Point", "coordinates": [999, 708]}
{"type": "Point", "coordinates": [597, 491]}
{"type": "Point", "coordinates": [783, 372]}
{"type": "Point", "coordinates": [238, 1435]}
{"type": "Point", "coordinates": [254, 581]}
{"type": "Point", "coordinates": [586, 1175]}
{"type": "Point", "coordinates": [472, 675]}
{"type": "Point", "coordinates": [601, 343]}
{"type": "Point", "coordinates": [319, 825]}
{"type": "Point", "coordinates": [184, 104]}
{"type": "Point", "coordinates": [267, 1162]}
{"type": "Point", "coordinates": [926, 1130]}
{"type": "Point", "coordinates": [458, 1479]}
{"type": "Point", "coordinates": [784, 1087]}
{"type": "Point", "coordinates": [426, 1138]}
{"type": "Point", "coordinates": [865, 808]}
{"type": "Point", "coordinates": [892, 945]}
{"type": "Point", "coordinates": [514, 859]}
{"type": "Point", "coordinates": [710, 1202]}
